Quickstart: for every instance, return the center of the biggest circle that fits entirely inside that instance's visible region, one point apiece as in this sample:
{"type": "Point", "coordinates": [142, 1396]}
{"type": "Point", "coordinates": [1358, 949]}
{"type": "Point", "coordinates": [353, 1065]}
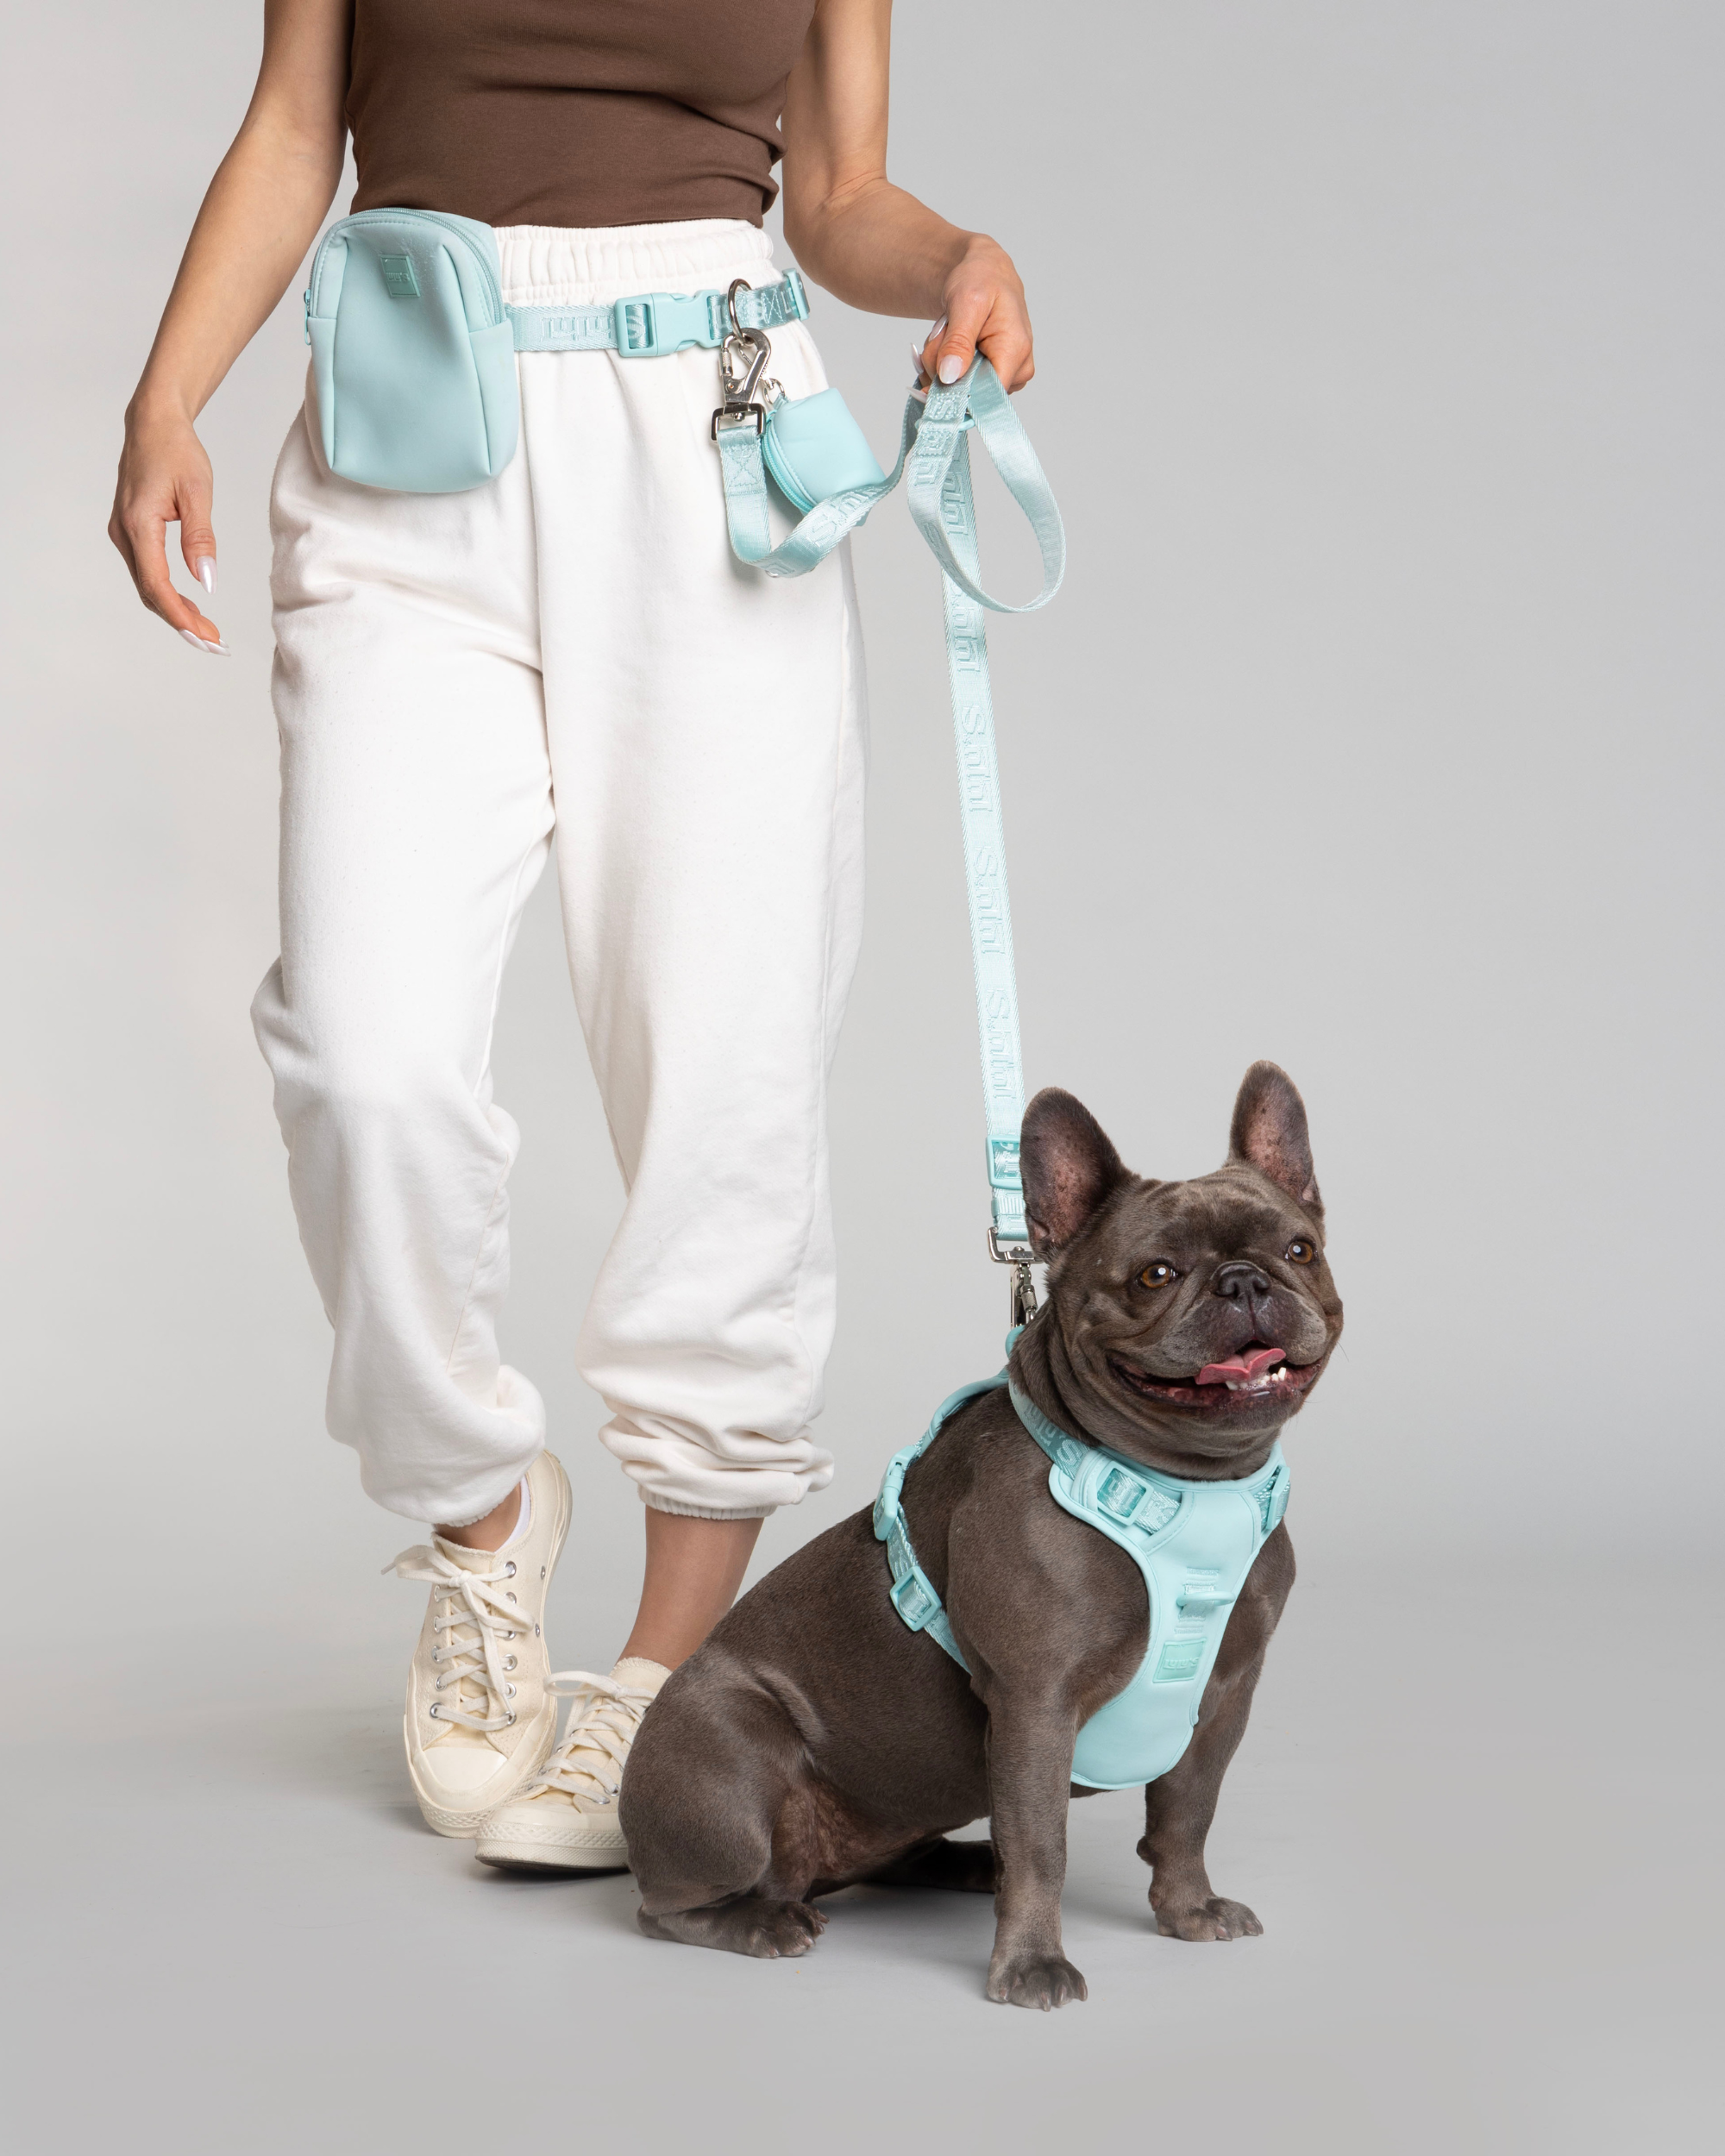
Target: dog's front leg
{"type": "Point", "coordinates": [1030, 1778]}
{"type": "Point", "coordinates": [1178, 1807]}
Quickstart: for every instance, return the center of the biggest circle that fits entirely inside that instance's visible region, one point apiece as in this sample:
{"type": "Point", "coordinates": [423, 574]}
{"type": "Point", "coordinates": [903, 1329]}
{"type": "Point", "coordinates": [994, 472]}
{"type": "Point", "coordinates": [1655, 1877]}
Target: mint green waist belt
{"type": "Point", "coordinates": [649, 325]}
{"type": "Point", "coordinates": [1193, 1542]}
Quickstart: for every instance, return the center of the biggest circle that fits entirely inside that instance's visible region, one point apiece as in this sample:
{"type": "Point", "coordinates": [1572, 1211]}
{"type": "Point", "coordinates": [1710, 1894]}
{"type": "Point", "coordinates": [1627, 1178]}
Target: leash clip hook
{"type": "Point", "coordinates": [742, 360]}
{"type": "Point", "coordinates": [1022, 1290]}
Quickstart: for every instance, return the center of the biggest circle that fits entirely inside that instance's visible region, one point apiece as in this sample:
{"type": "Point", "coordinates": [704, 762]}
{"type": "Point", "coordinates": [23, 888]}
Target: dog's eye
{"type": "Point", "coordinates": [1301, 1252]}
{"type": "Point", "coordinates": [1157, 1274]}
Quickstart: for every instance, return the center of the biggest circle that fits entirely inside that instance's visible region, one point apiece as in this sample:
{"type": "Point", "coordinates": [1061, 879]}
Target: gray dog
{"type": "Point", "coordinates": [816, 1740]}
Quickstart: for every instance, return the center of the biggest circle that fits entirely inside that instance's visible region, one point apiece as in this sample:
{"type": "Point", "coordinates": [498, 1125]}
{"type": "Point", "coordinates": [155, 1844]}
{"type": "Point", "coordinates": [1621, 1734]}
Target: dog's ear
{"type": "Point", "coordinates": [1068, 1167]}
{"type": "Point", "coordinates": [1269, 1133]}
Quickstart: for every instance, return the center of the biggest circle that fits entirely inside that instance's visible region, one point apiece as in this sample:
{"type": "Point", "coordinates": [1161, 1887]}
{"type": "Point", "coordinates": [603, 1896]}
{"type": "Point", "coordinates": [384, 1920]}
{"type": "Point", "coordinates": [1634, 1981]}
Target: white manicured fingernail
{"type": "Point", "coordinates": [206, 573]}
{"type": "Point", "coordinates": [951, 367]}
{"type": "Point", "coordinates": [935, 328]}
{"type": "Point", "coordinates": [198, 643]}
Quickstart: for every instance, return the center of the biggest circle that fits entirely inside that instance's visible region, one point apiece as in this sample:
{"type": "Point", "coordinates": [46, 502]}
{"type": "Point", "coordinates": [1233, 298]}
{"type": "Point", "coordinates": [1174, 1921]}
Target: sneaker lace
{"type": "Point", "coordinates": [604, 1716]}
{"type": "Point", "coordinates": [476, 1612]}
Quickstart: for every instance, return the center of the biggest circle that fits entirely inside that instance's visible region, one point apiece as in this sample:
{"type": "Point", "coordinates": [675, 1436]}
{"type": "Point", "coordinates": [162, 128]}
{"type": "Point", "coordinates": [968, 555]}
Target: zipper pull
{"type": "Point", "coordinates": [306, 297]}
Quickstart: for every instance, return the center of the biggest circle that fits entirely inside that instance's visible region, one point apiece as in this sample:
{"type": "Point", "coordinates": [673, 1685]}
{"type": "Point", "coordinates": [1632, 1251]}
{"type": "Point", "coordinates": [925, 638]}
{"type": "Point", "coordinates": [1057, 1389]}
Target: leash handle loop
{"type": "Point", "coordinates": [939, 485]}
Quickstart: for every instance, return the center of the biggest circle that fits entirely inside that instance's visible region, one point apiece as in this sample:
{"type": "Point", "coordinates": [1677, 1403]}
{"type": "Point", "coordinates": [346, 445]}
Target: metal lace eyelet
{"type": "Point", "coordinates": [541, 1571]}
{"type": "Point", "coordinates": [508, 1598]}
{"type": "Point", "coordinates": [434, 1710]}
{"type": "Point", "coordinates": [508, 1662]}
{"type": "Point", "coordinates": [509, 1691]}
{"type": "Point", "coordinates": [510, 1717]}
{"type": "Point", "coordinates": [535, 1632]}
{"type": "Point", "coordinates": [509, 1570]}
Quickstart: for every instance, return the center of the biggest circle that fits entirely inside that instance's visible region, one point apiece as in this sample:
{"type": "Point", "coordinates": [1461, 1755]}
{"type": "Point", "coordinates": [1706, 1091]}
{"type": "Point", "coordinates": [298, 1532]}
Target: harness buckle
{"type": "Point", "coordinates": [912, 1600]}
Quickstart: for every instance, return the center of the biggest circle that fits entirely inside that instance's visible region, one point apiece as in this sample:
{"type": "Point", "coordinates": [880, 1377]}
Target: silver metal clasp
{"type": "Point", "coordinates": [1020, 1257]}
{"type": "Point", "coordinates": [742, 360]}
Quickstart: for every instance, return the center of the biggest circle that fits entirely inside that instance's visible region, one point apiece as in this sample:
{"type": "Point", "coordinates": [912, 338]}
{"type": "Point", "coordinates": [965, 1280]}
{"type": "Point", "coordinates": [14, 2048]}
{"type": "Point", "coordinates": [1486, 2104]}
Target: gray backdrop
{"type": "Point", "coordinates": [1375, 731]}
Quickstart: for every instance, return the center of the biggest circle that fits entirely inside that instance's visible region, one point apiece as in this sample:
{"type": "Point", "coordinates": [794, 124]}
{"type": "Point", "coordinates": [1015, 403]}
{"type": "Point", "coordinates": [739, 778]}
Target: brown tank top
{"type": "Point", "coordinates": [571, 112]}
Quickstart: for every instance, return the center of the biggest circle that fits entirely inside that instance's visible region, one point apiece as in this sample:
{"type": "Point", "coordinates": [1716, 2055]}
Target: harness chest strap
{"type": "Point", "coordinates": [1192, 1542]}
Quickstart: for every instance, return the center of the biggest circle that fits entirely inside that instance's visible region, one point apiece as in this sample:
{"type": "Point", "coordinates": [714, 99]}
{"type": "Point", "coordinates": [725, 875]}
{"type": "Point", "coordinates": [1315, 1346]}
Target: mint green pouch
{"type": "Point", "coordinates": [412, 354]}
{"type": "Point", "coordinates": [814, 449]}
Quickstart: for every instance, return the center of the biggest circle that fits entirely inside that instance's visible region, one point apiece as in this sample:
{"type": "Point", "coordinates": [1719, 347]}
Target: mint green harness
{"type": "Point", "coordinates": [1193, 1542]}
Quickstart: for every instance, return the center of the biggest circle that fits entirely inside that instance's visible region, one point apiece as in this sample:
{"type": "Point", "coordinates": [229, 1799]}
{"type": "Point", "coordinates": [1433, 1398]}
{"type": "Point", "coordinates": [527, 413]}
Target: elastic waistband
{"type": "Point", "coordinates": [550, 265]}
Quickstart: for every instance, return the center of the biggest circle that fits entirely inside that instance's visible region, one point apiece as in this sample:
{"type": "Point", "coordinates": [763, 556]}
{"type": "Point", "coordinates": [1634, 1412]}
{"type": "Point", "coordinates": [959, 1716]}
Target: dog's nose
{"type": "Point", "coordinates": [1239, 1282]}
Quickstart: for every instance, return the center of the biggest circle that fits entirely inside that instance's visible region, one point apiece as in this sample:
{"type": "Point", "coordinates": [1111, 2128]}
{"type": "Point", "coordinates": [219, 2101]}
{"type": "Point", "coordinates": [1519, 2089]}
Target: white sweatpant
{"type": "Point", "coordinates": [568, 655]}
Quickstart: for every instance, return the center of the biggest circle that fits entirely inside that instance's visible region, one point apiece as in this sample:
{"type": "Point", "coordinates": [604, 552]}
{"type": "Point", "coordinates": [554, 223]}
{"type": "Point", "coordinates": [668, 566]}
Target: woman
{"type": "Point", "coordinates": [576, 632]}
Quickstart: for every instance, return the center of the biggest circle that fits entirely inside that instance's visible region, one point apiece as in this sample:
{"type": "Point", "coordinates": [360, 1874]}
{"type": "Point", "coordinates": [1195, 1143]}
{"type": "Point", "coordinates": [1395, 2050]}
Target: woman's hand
{"type": "Point", "coordinates": [869, 241]}
{"type": "Point", "coordinates": [984, 311]}
{"type": "Point", "coordinates": [262, 211]}
{"type": "Point", "coordinates": [165, 479]}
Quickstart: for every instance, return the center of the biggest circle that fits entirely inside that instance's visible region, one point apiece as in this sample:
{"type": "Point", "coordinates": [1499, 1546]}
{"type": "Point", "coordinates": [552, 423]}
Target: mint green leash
{"type": "Point", "coordinates": [934, 459]}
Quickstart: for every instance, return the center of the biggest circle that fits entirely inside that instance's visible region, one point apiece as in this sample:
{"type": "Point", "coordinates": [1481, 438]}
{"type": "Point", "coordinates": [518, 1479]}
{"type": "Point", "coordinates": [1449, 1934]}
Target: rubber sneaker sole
{"type": "Point", "coordinates": [505, 1853]}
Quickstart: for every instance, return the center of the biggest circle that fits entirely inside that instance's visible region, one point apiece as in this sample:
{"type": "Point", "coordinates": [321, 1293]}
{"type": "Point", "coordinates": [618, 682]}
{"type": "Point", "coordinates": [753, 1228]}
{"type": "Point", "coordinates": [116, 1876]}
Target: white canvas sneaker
{"type": "Point", "coordinates": [480, 1716]}
{"type": "Point", "coordinates": [567, 1821]}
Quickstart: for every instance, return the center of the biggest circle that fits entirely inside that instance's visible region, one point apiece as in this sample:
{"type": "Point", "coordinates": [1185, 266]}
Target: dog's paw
{"type": "Point", "coordinates": [769, 1931]}
{"type": "Point", "coordinates": [775, 1929]}
{"type": "Point", "coordinates": [1042, 1980]}
{"type": "Point", "coordinates": [1217, 1918]}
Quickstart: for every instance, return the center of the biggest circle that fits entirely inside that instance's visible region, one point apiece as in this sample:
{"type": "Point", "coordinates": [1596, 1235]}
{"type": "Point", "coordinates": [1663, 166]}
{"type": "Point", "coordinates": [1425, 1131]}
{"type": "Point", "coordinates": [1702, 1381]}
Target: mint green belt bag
{"type": "Point", "coordinates": [413, 358]}
{"type": "Point", "coordinates": [412, 352]}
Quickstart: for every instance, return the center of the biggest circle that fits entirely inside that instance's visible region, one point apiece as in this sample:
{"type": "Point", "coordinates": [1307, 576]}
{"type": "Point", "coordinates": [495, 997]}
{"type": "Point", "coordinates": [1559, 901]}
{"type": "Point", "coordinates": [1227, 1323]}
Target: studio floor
{"type": "Point", "coordinates": [1478, 1820]}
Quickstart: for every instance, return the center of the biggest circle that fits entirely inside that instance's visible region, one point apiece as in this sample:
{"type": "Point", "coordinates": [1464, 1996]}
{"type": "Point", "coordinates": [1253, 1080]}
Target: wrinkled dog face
{"type": "Point", "coordinates": [1192, 1318]}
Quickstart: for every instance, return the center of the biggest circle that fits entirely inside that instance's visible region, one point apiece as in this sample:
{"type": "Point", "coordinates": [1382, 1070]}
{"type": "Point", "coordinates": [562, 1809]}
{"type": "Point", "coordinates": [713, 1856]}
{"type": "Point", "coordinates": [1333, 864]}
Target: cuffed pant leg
{"type": "Point", "coordinates": [416, 819]}
{"type": "Point", "coordinates": [706, 727]}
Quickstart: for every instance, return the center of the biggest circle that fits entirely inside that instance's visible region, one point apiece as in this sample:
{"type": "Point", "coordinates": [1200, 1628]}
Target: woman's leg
{"type": "Point", "coordinates": [694, 1567]}
{"type": "Point", "coordinates": [415, 818]}
{"type": "Point", "coordinates": [707, 733]}
{"type": "Point", "coordinates": [706, 726]}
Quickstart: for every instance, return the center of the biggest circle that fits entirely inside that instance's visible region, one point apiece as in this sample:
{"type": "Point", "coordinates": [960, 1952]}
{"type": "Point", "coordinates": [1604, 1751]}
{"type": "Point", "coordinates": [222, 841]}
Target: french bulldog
{"type": "Point", "coordinates": [816, 1741]}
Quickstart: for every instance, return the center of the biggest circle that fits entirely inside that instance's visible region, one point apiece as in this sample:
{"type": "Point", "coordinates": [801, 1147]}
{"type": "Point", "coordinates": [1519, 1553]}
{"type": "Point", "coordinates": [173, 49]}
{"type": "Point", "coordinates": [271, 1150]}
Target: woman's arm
{"type": "Point", "coordinates": [868, 242]}
{"type": "Point", "coordinates": [263, 209]}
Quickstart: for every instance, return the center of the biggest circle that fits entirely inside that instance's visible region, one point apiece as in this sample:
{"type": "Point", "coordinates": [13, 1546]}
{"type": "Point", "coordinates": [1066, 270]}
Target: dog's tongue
{"type": "Point", "coordinates": [1240, 1370]}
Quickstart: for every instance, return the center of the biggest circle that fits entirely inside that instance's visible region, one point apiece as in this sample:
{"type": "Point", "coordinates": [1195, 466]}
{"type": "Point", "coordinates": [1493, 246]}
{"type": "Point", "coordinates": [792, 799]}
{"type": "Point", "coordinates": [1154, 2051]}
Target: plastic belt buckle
{"type": "Point", "coordinates": [652, 324]}
{"type": "Point", "coordinates": [799, 292]}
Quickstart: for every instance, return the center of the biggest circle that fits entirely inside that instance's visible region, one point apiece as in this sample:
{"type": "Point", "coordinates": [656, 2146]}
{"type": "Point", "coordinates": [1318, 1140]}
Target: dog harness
{"type": "Point", "coordinates": [1193, 1542]}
